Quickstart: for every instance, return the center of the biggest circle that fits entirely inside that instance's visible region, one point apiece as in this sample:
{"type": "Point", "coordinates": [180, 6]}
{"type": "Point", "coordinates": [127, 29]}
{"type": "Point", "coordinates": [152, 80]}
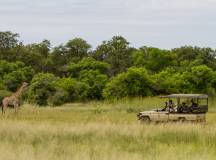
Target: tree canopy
{"type": "Point", "coordinates": [75, 71]}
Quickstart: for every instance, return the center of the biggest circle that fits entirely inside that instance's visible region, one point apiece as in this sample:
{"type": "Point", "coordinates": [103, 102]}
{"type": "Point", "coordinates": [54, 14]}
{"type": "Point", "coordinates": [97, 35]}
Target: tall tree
{"type": "Point", "coordinates": [154, 59]}
{"type": "Point", "coordinates": [9, 45]}
{"type": "Point", "coordinates": [77, 49]}
{"type": "Point", "coordinates": [115, 52]}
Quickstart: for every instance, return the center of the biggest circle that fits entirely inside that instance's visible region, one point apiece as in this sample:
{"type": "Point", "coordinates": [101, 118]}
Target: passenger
{"type": "Point", "coordinates": [193, 104]}
{"type": "Point", "coordinates": [184, 106]}
{"type": "Point", "coordinates": [171, 106]}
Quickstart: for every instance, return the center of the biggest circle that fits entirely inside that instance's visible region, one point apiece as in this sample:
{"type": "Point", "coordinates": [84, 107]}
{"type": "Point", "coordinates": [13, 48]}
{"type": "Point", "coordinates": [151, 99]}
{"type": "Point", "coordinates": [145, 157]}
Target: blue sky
{"type": "Point", "coordinates": [158, 23]}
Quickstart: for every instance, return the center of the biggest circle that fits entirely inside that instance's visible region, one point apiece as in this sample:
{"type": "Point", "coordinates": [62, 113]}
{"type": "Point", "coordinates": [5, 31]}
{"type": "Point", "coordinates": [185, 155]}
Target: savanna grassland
{"type": "Point", "coordinates": [102, 131]}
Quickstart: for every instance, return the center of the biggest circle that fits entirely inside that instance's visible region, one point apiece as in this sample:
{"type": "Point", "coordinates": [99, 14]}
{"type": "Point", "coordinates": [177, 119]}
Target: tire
{"type": "Point", "coordinates": [145, 119]}
{"type": "Point", "coordinates": [182, 119]}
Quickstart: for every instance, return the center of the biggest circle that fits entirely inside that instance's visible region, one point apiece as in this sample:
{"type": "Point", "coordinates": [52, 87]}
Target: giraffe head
{"type": "Point", "coordinates": [24, 84]}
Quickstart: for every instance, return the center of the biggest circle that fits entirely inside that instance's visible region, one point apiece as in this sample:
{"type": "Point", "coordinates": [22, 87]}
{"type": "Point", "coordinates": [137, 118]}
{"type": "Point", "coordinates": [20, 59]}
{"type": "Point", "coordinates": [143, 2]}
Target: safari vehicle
{"type": "Point", "coordinates": [189, 107]}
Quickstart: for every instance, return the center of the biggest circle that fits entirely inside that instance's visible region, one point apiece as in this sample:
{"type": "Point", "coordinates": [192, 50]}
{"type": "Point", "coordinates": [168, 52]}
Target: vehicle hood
{"type": "Point", "coordinates": [148, 112]}
{"type": "Point", "coordinates": [151, 112]}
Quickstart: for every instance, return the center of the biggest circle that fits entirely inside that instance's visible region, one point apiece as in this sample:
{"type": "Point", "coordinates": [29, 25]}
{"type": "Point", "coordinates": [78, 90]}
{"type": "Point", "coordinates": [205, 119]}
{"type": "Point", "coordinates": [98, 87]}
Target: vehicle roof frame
{"type": "Point", "coordinates": [196, 96]}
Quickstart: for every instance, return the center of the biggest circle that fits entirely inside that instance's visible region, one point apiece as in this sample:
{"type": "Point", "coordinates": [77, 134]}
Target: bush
{"type": "Point", "coordinates": [96, 82]}
{"type": "Point", "coordinates": [2, 86]}
{"type": "Point", "coordinates": [74, 89]}
{"type": "Point", "coordinates": [134, 82]}
{"type": "Point", "coordinates": [58, 98]}
{"type": "Point", "coordinates": [200, 79]}
{"type": "Point", "coordinates": [41, 88]}
{"type": "Point", "coordinates": [168, 81]}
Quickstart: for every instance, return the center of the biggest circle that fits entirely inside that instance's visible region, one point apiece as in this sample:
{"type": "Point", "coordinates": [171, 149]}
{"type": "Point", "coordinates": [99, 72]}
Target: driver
{"type": "Point", "coordinates": [166, 108]}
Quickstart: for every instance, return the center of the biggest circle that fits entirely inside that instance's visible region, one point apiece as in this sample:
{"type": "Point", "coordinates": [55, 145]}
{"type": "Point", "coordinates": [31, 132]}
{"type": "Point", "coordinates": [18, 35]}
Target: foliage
{"type": "Point", "coordinates": [13, 74]}
{"type": "Point", "coordinates": [41, 88]}
{"type": "Point", "coordinates": [96, 82]}
{"type": "Point", "coordinates": [116, 52]}
{"type": "Point", "coordinates": [58, 98]}
{"type": "Point", "coordinates": [154, 59]}
{"type": "Point", "coordinates": [200, 79]}
{"type": "Point", "coordinates": [134, 82]}
{"type": "Point", "coordinates": [167, 81]}
{"type": "Point", "coordinates": [77, 49]}
{"type": "Point", "coordinates": [9, 45]}
{"type": "Point", "coordinates": [74, 90]}
{"type": "Point", "coordinates": [74, 69]}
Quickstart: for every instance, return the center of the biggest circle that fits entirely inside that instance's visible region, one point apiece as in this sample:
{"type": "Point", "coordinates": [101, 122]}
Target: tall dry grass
{"type": "Point", "coordinates": [102, 131]}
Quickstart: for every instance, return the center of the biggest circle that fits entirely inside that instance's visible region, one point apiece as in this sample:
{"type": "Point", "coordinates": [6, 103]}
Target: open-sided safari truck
{"type": "Point", "coordinates": [188, 107]}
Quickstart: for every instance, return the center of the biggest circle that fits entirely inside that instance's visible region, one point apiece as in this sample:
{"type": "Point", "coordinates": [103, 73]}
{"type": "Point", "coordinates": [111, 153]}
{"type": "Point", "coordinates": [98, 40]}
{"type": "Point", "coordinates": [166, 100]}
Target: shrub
{"type": "Point", "coordinates": [58, 98]}
{"type": "Point", "coordinates": [41, 88]}
{"type": "Point", "coordinates": [200, 79]}
{"type": "Point", "coordinates": [134, 82]}
{"type": "Point", "coordinates": [96, 82]}
{"type": "Point", "coordinates": [74, 89]}
{"type": "Point", "coordinates": [167, 81]}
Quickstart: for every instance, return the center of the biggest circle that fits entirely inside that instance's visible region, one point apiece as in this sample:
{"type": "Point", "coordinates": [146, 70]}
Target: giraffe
{"type": "Point", "coordinates": [13, 99]}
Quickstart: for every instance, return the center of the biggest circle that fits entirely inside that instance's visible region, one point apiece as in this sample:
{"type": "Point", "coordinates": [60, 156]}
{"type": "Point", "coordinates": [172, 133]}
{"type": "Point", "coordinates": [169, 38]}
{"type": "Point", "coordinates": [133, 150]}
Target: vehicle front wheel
{"type": "Point", "coordinates": [145, 120]}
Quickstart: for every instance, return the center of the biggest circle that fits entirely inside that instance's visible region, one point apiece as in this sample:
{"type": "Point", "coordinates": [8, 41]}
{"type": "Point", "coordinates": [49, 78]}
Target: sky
{"type": "Point", "coordinates": [158, 23]}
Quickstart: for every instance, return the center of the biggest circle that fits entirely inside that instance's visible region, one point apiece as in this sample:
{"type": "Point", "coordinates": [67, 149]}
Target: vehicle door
{"type": "Point", "coordinates": [163, 116]}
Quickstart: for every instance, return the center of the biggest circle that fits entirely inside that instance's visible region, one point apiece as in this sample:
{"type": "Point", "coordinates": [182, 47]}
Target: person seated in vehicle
{"type": "Point", "coordinates": [166, 108]}
{"type": "Point", "coordinates": [182, 108]}
{"type": "Point", "coordinates": [194, 106]}
{"type": "Point", "coordinates": [171, 106]}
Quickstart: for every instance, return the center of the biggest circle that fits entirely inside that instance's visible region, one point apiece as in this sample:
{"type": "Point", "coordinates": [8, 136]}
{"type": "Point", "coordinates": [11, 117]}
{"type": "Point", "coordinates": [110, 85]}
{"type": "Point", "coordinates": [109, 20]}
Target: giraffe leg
{"type": "Point", "coordinates": [4, 108]}
{"type": "Point", "coordinates": [4, 105]}
{"type": "Point", "coordinates": [16, 107]}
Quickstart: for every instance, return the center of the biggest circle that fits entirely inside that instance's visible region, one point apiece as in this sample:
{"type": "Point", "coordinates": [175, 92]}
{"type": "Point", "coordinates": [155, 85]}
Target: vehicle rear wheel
{"type": "Point", "coordinates": [145, 119]}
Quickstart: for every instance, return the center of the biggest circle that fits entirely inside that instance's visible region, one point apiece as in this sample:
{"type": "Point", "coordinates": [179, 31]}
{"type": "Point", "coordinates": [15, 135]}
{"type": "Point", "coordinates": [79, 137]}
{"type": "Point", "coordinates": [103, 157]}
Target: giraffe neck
{"type": "Point", "coordinates": [19, 92]}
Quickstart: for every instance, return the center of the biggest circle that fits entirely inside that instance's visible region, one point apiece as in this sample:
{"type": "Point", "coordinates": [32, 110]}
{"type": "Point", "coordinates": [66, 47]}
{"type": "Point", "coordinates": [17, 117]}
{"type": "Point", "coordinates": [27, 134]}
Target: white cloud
{"type": "Point", "coordinates": [163, 23]}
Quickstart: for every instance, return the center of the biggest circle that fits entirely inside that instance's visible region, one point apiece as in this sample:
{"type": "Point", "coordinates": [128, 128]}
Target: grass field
{"type": "Point", "coordinates": [102, 131]}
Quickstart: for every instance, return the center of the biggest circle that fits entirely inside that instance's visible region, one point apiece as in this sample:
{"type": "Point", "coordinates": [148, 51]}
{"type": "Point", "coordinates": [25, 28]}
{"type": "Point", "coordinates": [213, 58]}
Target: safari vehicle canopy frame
{"type": "Point", "coordinates": [199, 108]}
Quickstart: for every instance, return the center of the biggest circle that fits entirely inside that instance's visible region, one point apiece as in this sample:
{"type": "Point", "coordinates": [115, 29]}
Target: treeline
{"type": "Point", "coordinates": [75, 72]}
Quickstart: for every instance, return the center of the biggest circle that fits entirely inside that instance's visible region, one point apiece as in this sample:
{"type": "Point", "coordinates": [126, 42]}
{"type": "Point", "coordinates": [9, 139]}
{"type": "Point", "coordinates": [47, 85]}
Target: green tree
{"type": "Point", "coordinates": [38, 56]}
{"type": "Point", "coordinates": [154, 59]}
{"type": "Point", "coordinates": [168, 81]}
{"type": "Point", "coordinates": [188, 57]}
{"type": "Point", "coordinates": [74, 69]}
{"type": "Point", "coordinates": [9, 46]}
{"type": "Point", "coordinates": [14, 73]}
{"type": "Point", "coordinates": [134, 82]}
{"type": "Point", "coordinates": [77, 49]}
{"type": "Point", "coordinates": [116, 52]}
